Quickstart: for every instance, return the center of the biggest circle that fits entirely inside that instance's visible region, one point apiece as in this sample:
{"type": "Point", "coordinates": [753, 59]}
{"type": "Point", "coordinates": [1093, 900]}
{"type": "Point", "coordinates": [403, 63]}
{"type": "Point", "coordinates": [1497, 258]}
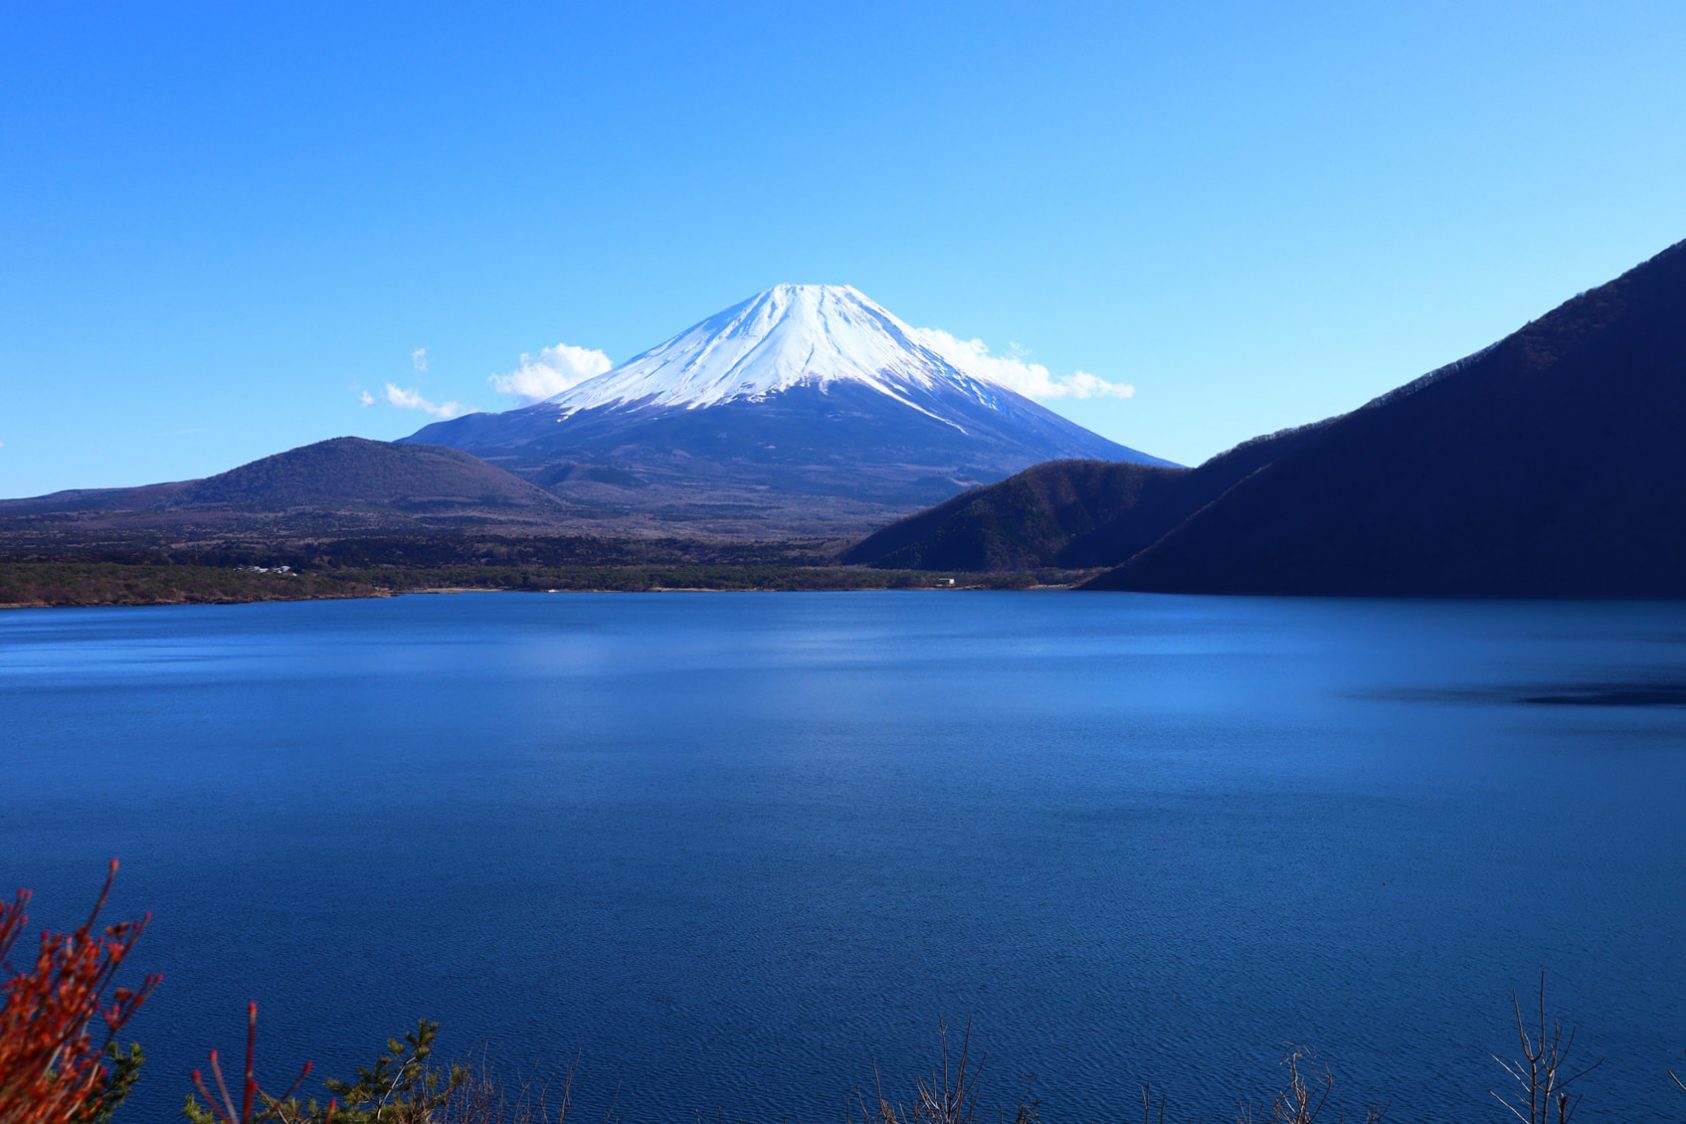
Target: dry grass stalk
{"type": "Point", "coordinates": [947, 1096]}
{"type": "Point", "coordinates": [1542, 1072]}
{"type": "Point", "coordinates": [1302, 1101]}
{"type": "Point", "coordinates": [1304, 1098]}
{"type": "Point", "coordinates": [481, 1098]}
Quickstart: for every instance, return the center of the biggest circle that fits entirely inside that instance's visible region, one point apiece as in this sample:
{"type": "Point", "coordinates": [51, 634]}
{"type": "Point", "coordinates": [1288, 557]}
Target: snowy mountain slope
{"type": "Point", "coordinates": [801, 393]}
{"type": "Point", "coordinates": [777, 340]}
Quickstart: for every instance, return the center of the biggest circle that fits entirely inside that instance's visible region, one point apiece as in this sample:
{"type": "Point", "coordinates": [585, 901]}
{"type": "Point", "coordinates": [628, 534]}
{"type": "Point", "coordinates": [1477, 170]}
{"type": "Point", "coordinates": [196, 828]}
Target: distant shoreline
{"type": "Point", "coordinates": [52, 585]}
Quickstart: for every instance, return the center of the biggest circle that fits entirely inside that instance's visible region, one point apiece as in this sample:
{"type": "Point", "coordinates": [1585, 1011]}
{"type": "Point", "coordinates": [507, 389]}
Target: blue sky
{"type": "Point", "coordinates": [220, 223]}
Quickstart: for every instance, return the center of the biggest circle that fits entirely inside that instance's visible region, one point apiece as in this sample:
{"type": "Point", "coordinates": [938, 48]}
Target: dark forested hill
{"type": "Point", "coordinates": [1072, 514]}
{"type": "Point", "coordinates": [1026, 520]}
{"type": "Point", "coordinates": [1551, 464]}
{"type": "Point", "coordinates": [346, 481]}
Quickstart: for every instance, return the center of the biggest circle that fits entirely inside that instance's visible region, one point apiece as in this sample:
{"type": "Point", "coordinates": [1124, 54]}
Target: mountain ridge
{"type": "Point", "coordinates": [342, 480]}
{"type": "Point", "coordinates": [1547, 464]}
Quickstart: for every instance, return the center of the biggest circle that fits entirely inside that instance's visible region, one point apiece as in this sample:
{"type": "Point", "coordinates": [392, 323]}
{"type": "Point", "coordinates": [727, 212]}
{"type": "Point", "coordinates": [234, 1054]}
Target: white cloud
{"type": "Point", "coordinates": [412, 400]}
{"type": "Point", "coordinates": [364, 398]}
{"type": "Point", "coordinates": [1014, 370]}
{"type": "Point", "coordinates": [551, 371]}
{"type": "Point", "coordinates": [1081, 384]}
{"type": "Point", "coordinates": [418, 359]}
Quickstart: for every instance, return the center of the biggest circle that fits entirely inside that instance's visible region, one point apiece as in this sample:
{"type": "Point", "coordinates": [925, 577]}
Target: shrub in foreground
{"type": "Point", "coordinates": [59, 1056]}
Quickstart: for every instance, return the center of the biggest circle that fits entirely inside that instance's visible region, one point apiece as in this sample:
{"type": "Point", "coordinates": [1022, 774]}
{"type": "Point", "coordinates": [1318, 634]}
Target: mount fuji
{"type": "Point", "coordinates": [806, 408]}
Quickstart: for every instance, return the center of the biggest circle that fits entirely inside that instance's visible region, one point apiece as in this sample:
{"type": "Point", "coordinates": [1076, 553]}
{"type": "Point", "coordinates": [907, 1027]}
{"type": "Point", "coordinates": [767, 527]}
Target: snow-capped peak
{"type": "Point", "coordinates": [778, 339]}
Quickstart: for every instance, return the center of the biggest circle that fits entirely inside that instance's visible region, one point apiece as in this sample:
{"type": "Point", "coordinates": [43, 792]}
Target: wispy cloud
{"type": "Point", "coordinates": [551, 371]}
{"type": "Point", "coordinates": [1015, 371]}
{"type": "Point", "coordinates": [411, 399]}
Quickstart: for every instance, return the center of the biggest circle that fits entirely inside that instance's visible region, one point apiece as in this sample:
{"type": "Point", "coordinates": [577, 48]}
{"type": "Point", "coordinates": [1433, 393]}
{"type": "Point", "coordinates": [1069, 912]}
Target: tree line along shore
{"type": "Point", "coordinates": [68, 584]}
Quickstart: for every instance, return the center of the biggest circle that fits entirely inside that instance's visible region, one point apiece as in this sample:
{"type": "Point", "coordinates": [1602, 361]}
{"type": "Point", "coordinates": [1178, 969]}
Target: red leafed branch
{"type": "Point", "coordinates": [56, 1016]}
{"type": "Point", "coordinates": [255, 1104]}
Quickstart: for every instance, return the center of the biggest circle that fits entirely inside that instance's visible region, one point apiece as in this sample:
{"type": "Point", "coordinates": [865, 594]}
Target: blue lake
{"type": "Point", "coordinates": [726, 850]}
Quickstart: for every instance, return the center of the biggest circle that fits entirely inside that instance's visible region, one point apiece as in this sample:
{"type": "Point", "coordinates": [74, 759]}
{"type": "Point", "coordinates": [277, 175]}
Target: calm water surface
{"type": "Point", "coordinates": [727, 849]}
